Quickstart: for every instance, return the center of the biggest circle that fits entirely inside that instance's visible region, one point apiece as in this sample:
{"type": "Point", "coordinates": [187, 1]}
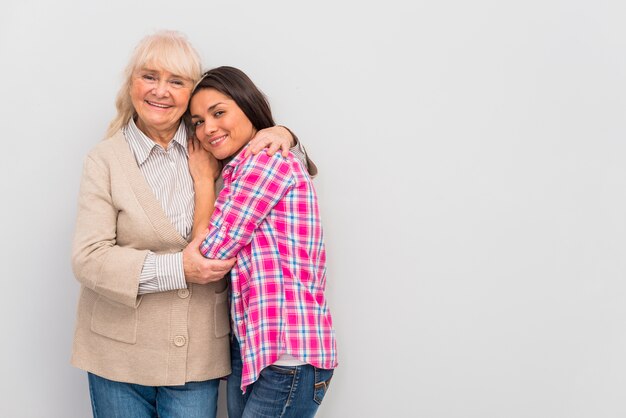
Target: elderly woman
{"type": "Point", "coordinates": [152, 325]}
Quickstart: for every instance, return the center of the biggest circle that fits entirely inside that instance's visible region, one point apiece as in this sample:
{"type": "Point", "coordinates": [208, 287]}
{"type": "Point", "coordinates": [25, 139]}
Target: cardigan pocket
{"type": "Point", "coordinates": [222, 320]}
{"type": "Point", "coordinates": [114, 320]}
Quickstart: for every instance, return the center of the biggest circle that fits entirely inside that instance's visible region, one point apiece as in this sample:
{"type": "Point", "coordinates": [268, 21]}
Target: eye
{"type": "Point", "coordinates": [218, 113]}
{"type": "Point", "coordinates": [197, 123]}
{"type": "Point", "coordinates": [178, 83]}
{"type": "Point", "coordinates": [148, 77]}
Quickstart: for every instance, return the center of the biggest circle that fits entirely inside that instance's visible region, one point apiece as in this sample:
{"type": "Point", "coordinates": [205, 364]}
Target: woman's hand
{"type": "Point", "coordinates": [202, 270]}
{"type": "Point", "coordinates": [273, 138]}
{"type": "Point", "coordinates": [202, 165]}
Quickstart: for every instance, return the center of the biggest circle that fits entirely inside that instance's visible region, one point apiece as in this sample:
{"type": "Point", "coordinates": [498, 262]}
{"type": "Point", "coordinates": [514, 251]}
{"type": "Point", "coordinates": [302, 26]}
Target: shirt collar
{"type": "Point", "coordinates": [143, 146]}
{"type": "Point", "coordinates": [238, 158]}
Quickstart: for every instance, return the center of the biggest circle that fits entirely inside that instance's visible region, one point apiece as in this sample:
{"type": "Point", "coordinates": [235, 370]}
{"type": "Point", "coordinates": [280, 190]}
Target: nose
{"type": "Point", "coordinates": [209, 128]}
{"type": "Point", "coordinates": [160, 89]}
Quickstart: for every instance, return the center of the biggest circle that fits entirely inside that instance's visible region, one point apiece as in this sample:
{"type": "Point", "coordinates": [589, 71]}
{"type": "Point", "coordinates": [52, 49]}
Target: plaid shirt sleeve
{"type": "Point", "coordinates": [250, 192]}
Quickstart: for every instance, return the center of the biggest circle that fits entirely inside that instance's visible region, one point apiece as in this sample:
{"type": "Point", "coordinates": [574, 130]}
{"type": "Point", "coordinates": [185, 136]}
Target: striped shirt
{"type": "Point", "coordinates": [267, 215]}
{"type": "Point", "coordinates": [167, 173]}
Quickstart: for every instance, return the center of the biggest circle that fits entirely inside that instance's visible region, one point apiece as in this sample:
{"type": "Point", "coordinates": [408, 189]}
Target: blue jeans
{"type": "Point", "coordinates": [280, 391]}
{"type": "Point", "coordinates": [111, 399]}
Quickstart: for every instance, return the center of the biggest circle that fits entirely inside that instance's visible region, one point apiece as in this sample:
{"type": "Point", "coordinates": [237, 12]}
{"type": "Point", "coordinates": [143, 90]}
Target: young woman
{"type": "Point", "coordinates": [283, 348]}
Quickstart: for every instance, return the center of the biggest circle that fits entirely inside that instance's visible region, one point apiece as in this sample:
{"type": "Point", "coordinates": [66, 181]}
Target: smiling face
{"type": "Point", "coordinates": [220, 125]}
{"type": "Point", "coordinates": [160, 99]}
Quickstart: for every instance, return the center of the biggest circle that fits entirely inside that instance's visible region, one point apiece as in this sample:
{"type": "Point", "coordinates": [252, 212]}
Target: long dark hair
{"type": "Point", "coordinates": [235, 84]}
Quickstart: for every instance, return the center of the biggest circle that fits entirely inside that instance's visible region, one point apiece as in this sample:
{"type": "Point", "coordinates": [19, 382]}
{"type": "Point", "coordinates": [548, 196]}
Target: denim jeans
{"type": "Point", "coordinates": [280, 391]}
{"type": "Point", "coordinates": [110, 399]}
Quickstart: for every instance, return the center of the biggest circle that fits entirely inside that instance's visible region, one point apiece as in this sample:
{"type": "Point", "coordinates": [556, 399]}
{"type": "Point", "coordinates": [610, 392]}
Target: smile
{"type": "Point", "coordinates": [218, 140]}
{"type": "Point", "coordinates": [159, 105]}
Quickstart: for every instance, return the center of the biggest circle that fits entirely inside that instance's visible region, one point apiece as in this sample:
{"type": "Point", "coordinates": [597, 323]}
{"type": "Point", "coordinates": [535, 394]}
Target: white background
{"type": "Point", "coordinates": [472, 185]}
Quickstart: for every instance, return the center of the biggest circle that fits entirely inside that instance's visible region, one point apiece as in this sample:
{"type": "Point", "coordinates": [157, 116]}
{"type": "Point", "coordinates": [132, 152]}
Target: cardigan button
{"type": "Point", "coordinates": [179, 341]}
{"type": "Point", "coordinates": [183, 293]}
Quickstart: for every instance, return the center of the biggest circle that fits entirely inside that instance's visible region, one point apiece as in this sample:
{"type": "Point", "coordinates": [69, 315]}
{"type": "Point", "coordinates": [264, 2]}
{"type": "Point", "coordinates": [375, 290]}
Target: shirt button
{"type": "Point", "coordinates": [179, 341]}
{"type": "Point", "coordinates": [223, 229]}
{"type": "Point", "coordinates": [236, 293]}
{"type": "Point", "coordinates": [183, 293]}
{"type": "Point", "coordinates": [240, 322]}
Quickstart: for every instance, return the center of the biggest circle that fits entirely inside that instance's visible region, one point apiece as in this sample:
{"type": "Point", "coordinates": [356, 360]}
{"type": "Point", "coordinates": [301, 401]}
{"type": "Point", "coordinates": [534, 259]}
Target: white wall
{"type": "Point", "coordinates": [472, 186]}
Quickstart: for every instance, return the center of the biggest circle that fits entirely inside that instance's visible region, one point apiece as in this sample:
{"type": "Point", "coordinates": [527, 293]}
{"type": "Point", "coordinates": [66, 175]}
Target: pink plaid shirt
{"type": "Point", "coordinates": [267, 216]}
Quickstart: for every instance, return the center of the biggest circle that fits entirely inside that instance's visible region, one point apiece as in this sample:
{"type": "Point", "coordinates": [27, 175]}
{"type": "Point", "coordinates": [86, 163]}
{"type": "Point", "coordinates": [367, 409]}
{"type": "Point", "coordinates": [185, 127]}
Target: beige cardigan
{"type": "Point", "coordinates": [158, 339]}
